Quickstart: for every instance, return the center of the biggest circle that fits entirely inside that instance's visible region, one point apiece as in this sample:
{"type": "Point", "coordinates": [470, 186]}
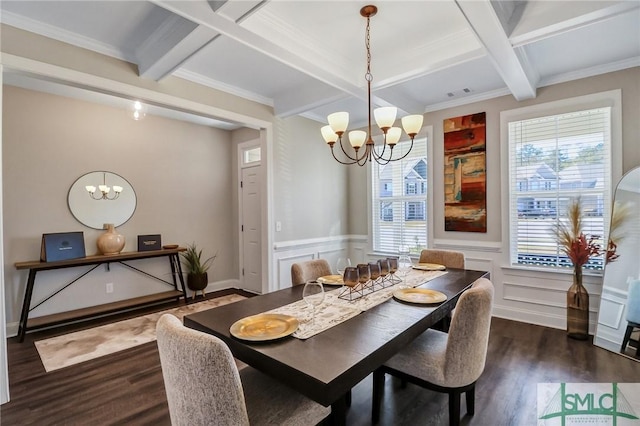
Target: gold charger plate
{"type": "Point", "coordinates": [263, 327]}
{"type": "Point", "coordinates": [419, 295]}
{"type": "Point", "coordinates": [429, 267]}
{"type": "Point", "coordinates": [331, 280]}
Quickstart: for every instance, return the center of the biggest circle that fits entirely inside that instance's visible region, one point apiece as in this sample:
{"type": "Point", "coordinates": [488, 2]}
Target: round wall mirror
{"type": "Point", "coordinates": [94, 209]}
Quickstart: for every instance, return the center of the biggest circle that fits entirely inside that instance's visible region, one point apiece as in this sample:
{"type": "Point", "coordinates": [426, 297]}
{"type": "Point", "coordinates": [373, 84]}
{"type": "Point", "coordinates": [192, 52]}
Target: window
{"type": "Point", "coordinates": [553, 158]}
{"type": "Point", "coordinates": [399, 200]}
{"type": "Point", "coordinates": [251, 156]}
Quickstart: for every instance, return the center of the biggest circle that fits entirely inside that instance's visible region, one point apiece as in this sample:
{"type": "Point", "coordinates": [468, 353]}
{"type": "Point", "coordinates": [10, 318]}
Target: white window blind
{"type": "Point", "coordinates": [551, 160]}
{"type": "Point", "coordinates": [399, 200]}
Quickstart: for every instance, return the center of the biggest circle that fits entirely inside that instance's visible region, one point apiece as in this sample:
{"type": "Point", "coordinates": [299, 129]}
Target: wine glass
{"type": "Point", "coordinates": [405, 264]}
{"type": "Point", "coordinates": [313, 295]}
{"type": "Point", "coordinates": [342, 264]}
{"type": "Point", "coordinates": [393, 269]}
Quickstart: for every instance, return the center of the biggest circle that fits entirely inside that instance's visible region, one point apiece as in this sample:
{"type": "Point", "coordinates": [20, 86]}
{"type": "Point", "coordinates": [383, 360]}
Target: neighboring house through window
{"type": "Point", "coordinates": [399, 200]}
{"type": "Point", "coordinates": [553, 158]}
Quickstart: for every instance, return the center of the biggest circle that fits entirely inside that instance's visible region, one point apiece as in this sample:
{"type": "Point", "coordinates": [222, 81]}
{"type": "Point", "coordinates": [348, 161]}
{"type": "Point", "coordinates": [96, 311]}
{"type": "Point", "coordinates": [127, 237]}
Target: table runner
{"type": "Point", "coordinates": [334, 310]}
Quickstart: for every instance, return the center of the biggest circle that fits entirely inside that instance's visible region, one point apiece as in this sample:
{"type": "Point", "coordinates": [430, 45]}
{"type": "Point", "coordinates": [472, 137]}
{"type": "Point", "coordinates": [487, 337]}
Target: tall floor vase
{"type": "Point", "coordinates": [577, 308]}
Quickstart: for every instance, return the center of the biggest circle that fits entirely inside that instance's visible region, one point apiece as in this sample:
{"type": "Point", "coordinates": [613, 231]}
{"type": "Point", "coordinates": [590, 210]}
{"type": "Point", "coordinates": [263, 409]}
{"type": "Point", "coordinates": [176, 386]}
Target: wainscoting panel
{"type": "Point", "coordinates": [331, 248]}
{"type": "Point", "coordinates": [284, 267]}
{"type": "Point", "coordinates": [479, 264]}
{"type": "Point", "coordinates": [611, 323]}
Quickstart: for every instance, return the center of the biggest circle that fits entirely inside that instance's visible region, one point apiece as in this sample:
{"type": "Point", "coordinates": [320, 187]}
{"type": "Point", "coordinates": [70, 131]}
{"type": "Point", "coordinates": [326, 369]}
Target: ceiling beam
{"type": "Point", "coordinates": [557, 24]}
{"type": "Point", "coordinates": [200, 13]}
{"type": "Point", "coordinates": [177, 39]}
{"type": "Point", "coordinates": [511, 64]}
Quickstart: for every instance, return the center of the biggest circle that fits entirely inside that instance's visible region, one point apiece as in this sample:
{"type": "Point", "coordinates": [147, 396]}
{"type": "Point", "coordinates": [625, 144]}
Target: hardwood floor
{"type": "Point", "coordinates": [127, 387]}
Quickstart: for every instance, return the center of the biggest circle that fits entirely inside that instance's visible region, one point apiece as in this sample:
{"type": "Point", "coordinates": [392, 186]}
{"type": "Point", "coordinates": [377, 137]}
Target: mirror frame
{"type": "Point", "coordinates": [613, 299]}
{"type": "Point", "coordinates": [89, 212]}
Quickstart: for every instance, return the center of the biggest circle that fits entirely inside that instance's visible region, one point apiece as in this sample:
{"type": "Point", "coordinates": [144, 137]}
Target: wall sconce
{"type": "Point", "coordinates": [138, 110]}
{"type": "Point", "coordinates": [104, 190]}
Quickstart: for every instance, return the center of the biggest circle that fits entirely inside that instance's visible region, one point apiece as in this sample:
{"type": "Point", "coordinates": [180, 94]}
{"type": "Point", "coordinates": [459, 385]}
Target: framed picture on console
{"type": "Point", "coordinates": [62, 246]}
{"type": "Point", "coordinates": [149, 242]}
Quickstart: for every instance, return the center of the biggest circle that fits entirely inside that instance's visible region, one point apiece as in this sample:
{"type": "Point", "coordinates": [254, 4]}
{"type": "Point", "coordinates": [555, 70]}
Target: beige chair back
{"type": "Point", "coordinates": [309, 271]}
{"type": "Point", "coordinates": [200, 376]}
{"type": "Point", "coordinates": [469, 335]}
{"type": "Point", "coordinates": [448, 258]}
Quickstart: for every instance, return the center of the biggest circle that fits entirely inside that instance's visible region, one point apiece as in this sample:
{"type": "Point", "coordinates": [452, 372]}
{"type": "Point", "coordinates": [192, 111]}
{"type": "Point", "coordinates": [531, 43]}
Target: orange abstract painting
{"type": "Point", "coordinates": [465, 183]}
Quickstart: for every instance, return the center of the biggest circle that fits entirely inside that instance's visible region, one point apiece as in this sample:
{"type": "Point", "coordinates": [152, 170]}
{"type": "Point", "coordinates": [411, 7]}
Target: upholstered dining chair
{"type": "Point", "coordinates": [309, 271]}
{"type": "Point", "coordinates": [449, 363]}
{"type": "Point", "coordinates": [633, 315]}
{"type": "Point", "coordinates": [448, 258]}
{"type": "Point", "coordinates": [204, 387]}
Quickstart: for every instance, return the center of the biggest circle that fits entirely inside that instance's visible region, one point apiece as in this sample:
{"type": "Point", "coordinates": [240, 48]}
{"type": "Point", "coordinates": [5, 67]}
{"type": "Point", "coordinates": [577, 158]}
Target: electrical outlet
{"type": "Point", "coordinates": [109, 287]}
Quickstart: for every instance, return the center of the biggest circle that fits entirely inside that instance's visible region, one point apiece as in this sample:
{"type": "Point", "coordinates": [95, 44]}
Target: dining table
{"type": "Point", "coordinates": [326, 366]}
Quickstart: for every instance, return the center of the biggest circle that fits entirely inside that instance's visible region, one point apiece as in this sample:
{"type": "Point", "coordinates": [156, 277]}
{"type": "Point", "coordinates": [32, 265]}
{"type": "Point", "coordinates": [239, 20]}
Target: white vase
{"type": "Point", "coordinates": [110, 242]}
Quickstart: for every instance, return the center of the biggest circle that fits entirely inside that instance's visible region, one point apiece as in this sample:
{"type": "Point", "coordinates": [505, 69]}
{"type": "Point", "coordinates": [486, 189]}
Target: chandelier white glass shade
{"type": "Point", "coordinates": [104, 190]}
{"type": "Point", "coordinates": [385, 118]}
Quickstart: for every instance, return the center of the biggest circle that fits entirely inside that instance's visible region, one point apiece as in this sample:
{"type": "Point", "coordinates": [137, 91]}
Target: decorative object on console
{"type": "Point", "coordinates": [110, 242]}
{"type": "Point", "coordinates": [104, 190]}
{"type": "Point", "coordinates": [197, 276]}
{"type": "Point", "coordinates": [62, 246]}
{"type": "Point", "coordinates": [385, 117]}
{"type": "Point", "coordinates": [579, 248]}
{"type": "Point", "coordinates": [149, 242]}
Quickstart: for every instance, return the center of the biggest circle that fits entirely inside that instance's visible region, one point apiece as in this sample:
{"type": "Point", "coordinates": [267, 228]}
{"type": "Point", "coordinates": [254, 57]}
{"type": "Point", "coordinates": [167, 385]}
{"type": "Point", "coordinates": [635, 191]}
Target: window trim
{"type": "Point", "coordinates": [428, 135]}
{"type": "Point", "coordinates": [611, 98]}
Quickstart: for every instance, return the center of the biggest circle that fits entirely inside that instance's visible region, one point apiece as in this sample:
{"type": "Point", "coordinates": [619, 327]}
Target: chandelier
{"type": "Point", "coordinates": [104, 190]}
{"type": "Point", "coordinates": [385, 118]}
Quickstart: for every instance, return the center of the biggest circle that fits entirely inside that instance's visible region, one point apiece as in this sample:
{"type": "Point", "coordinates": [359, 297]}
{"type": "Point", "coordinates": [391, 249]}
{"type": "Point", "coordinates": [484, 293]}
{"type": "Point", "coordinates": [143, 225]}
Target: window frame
{"type": "Point", "coordinates": [612, 99]}
{"type": "Point", "coordinates": [426, 136]}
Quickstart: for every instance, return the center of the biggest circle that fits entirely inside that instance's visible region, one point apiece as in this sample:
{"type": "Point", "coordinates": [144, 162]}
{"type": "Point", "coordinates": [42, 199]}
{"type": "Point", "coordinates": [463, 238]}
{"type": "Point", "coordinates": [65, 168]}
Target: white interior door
{"type": "Point", "coordinates": [251, 218]}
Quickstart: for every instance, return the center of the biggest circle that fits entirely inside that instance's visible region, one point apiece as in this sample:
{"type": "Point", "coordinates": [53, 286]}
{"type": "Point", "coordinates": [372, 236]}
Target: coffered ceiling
{"type": "Point", "coordinates": [306, 57]}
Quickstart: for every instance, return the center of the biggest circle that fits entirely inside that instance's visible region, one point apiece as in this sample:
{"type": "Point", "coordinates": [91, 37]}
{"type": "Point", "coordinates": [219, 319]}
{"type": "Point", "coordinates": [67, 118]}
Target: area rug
{"type": "Point", "coordinates": [73, 348]}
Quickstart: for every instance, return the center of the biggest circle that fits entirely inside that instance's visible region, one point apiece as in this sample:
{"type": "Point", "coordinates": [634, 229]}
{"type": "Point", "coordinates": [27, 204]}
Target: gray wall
{"type": "Point", "coordinates": [181, 173]}
{"type": "Point", "coordinates": [310, 187]}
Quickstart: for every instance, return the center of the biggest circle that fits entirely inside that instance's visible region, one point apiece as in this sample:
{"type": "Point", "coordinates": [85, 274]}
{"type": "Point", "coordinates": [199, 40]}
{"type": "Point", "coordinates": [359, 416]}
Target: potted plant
{"type": "Point", "coordinates": [196, 268]}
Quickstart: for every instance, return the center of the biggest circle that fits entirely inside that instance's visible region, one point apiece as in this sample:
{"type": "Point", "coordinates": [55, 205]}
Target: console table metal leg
{"type": "Point", "coordinates": [176, 269]}
{"type": "Point", "coordinates": [24, 316]}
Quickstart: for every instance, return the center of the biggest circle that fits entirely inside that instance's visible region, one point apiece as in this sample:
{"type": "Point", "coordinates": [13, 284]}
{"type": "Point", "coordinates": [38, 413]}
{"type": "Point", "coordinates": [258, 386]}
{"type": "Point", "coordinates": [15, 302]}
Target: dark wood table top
{"type": "Point", "coordinates": [327, 365]}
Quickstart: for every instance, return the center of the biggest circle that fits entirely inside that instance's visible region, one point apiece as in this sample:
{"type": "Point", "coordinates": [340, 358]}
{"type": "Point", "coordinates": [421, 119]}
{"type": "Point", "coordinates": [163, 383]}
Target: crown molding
{"type": "Point", "coordinates": [476, 97]}
{"type": "Point", "coordinates": [64, 36]}
{"type": "Point", "coordinates": [214, 84]}
{"type": "Point", "coordinates": [590, 72]}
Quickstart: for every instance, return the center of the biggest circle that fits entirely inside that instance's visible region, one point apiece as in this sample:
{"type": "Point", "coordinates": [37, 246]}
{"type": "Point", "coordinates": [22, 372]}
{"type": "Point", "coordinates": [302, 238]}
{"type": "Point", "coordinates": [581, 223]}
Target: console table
{"type": "Point", "coordinates": [48, 320]}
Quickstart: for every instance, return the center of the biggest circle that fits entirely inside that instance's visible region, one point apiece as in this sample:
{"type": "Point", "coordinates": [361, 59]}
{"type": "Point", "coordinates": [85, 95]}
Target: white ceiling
{"type": "Point", "coordinates": [306, 57]}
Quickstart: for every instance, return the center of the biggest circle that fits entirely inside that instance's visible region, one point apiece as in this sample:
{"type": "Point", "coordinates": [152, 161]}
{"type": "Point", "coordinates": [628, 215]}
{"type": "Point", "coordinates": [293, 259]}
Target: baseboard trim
{"type": "Point", "coordinates": [536, 318]}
